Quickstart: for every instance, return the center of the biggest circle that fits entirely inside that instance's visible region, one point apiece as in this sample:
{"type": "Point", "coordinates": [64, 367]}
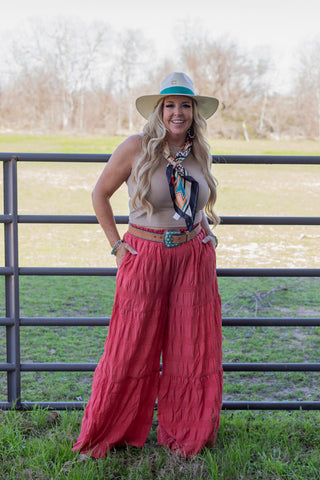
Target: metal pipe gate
{"type": "Point", "coordinates": [11, 271]}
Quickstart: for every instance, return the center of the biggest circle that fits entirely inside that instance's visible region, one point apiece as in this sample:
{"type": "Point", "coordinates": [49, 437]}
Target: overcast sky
{"type": "Point", "coordinates": [275, 26]}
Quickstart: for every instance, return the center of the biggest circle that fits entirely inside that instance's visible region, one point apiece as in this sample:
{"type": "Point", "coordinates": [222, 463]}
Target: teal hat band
{"type": "Point", "coordinates": [176, 91]}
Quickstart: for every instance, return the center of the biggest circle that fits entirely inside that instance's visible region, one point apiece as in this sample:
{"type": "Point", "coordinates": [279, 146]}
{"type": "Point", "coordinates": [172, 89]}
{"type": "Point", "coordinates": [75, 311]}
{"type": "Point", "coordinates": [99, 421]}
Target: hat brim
{"type": "Point", "coordinates": [207, 106]}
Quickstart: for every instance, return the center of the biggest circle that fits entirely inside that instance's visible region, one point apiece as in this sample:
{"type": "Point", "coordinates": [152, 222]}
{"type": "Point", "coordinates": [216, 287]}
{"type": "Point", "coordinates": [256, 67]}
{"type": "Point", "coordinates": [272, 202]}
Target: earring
{"type": "Point", "coordinates": [190, 133]}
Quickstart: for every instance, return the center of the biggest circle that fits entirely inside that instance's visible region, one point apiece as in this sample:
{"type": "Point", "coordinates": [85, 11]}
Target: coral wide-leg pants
{"type": "Point", "coordinates": [166, 303]}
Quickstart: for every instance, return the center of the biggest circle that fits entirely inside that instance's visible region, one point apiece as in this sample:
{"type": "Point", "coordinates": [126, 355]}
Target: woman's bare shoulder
{"type": "Point", "coordinates": [127, 152]}
{"type": "Point", "coordinates": [132, 144]}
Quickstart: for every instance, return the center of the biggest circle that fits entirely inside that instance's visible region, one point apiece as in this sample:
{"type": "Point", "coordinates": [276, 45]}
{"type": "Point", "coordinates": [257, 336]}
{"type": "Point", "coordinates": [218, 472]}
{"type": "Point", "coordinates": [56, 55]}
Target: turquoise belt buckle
{"type": "Point", "coordinates": [168, 241]}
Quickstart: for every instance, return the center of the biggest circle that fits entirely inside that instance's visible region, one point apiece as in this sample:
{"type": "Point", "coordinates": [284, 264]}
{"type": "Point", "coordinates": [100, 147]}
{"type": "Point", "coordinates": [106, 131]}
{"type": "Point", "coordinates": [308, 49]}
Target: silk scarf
{"type": "Point", "coordinates": [183, 188]}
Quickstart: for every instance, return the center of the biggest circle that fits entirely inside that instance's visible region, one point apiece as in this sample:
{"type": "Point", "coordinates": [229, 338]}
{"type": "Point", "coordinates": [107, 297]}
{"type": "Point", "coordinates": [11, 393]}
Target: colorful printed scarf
{"type": "Point", "coordinates": [183, 188]}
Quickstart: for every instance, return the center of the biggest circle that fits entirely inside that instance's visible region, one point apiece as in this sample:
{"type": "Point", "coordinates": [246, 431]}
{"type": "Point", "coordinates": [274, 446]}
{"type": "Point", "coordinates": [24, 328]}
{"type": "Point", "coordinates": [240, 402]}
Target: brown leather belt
{"type": "Point", "coordinates": [169, 238]}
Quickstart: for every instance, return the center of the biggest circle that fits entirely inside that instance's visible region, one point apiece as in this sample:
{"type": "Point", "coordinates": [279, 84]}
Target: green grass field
{"type": "Point", "coordinates": [268, 446]}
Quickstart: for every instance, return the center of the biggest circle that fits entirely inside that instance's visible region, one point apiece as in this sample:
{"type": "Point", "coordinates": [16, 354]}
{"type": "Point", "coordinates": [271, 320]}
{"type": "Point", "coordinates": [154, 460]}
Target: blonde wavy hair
{"type": "Point", "coordinates": [153, 136]}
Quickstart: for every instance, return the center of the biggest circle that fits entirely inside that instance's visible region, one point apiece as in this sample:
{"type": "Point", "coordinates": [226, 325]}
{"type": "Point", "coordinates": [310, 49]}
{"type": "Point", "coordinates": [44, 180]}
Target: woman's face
{"type": "Point", "coordinates": [177, 117]}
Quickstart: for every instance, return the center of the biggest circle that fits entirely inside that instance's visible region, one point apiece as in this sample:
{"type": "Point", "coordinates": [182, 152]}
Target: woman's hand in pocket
{"type": "Point", "coordinates": [123, 249]}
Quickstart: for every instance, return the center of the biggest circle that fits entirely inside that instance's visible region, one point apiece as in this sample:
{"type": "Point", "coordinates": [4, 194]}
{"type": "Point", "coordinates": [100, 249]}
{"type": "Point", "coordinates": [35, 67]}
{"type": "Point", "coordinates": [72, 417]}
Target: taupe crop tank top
{"type": "Point", "coordinates": [159, 197]}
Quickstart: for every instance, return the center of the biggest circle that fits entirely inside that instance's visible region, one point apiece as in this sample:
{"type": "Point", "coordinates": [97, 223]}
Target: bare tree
{"type": "Point", "coordinates": [220, 68]}
{"type": "Point", "coordinates": [64, 57]}
{"type": "Point", "coordinates": [308, 88]}
{"type": "Point", "coordinates": [132, 66]}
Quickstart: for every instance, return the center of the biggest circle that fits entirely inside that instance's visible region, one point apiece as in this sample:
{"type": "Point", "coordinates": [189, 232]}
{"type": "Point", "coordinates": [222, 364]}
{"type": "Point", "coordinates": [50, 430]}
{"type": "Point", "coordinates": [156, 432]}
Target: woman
{"type": "Point", "coordinates": [167, 302]}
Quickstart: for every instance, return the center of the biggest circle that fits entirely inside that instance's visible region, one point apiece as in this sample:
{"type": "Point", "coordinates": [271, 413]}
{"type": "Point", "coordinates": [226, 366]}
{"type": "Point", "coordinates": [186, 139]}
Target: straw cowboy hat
{"type": "Point", "coordinates": [177, 83]}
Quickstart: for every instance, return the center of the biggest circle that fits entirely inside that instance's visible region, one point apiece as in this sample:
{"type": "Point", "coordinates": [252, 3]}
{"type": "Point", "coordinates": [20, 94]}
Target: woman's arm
{"type": "Point", "coordinates": [113, 176]}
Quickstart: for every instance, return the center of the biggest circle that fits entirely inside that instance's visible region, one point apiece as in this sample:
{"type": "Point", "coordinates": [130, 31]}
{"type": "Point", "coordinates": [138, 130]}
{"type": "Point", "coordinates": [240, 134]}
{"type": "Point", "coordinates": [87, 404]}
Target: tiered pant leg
{"type": "Point", "coordinates": [166, 302]}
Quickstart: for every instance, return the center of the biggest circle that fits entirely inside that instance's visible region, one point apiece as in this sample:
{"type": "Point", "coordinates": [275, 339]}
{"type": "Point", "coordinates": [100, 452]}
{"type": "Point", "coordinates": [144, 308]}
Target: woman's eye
{"type": "Point", "coordinates": [170, 105]}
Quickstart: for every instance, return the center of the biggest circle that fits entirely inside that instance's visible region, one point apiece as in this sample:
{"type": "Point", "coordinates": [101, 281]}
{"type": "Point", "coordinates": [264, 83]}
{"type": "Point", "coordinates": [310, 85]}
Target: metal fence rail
{"type": "Point", "coordinates": [11, 271]}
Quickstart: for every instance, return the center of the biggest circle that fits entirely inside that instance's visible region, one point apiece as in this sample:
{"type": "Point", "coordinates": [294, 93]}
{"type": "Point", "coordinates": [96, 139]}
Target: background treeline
{"type": "Point", "coordinates": [67, 76]}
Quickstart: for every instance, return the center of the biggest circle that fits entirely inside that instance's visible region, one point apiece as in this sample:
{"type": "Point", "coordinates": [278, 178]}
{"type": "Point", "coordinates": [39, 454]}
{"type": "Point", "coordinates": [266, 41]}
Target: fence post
{"type": "Point", "coordinates": [12, 280]}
